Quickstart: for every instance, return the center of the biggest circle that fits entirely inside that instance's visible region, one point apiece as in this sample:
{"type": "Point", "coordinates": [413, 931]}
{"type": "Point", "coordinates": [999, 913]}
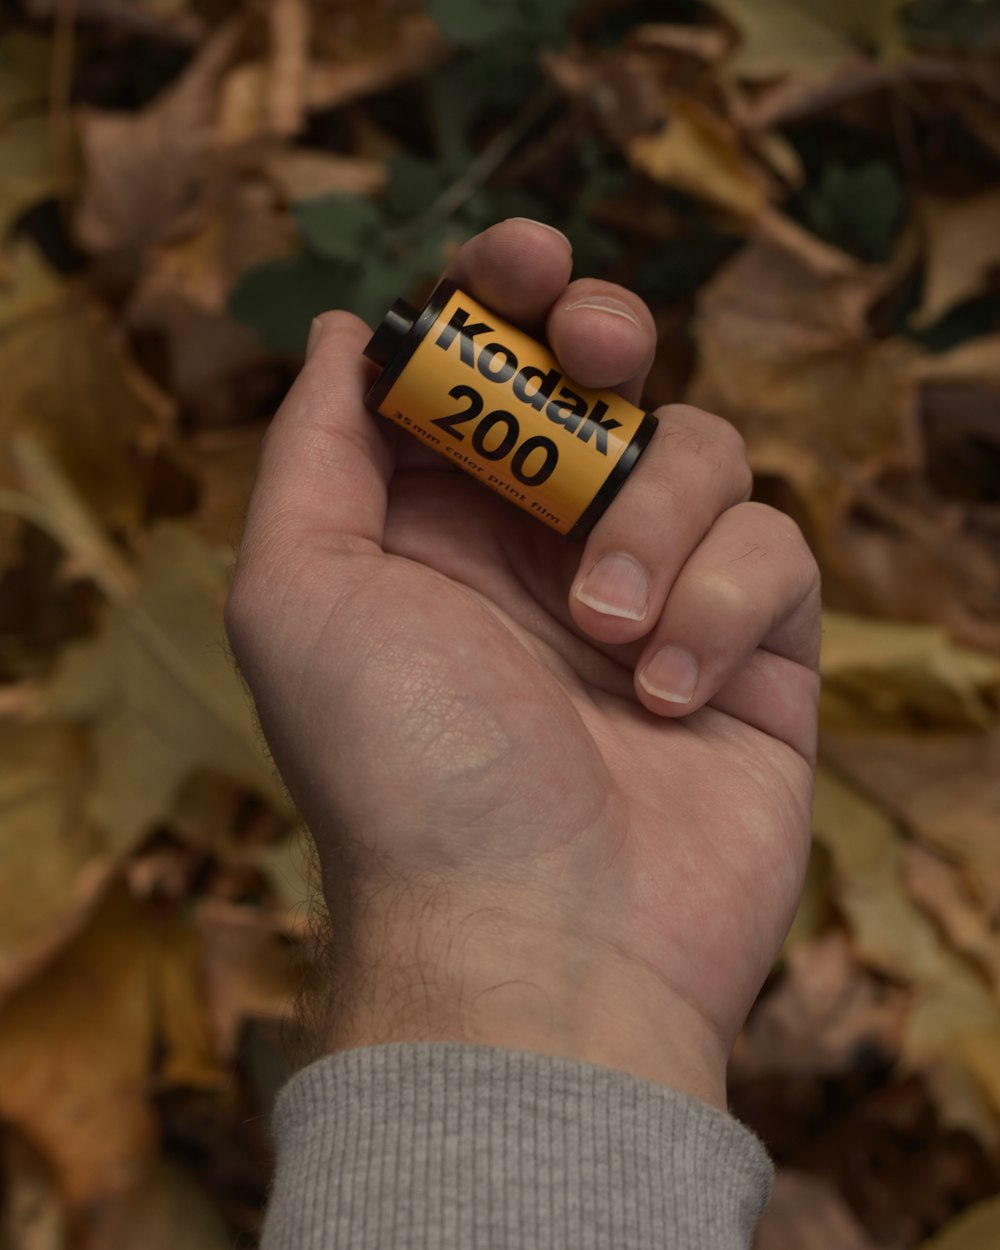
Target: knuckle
{"type": "Point", "coordinates": [776, 530]}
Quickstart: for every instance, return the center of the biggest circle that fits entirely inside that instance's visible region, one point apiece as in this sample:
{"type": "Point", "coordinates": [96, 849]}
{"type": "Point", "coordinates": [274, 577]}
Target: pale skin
{"type": "Point", "coordinates": [533, 833]}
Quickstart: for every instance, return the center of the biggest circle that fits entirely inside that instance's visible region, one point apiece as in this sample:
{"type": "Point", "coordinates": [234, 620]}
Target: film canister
{"type": "Point", "coordinates": [495, 402]}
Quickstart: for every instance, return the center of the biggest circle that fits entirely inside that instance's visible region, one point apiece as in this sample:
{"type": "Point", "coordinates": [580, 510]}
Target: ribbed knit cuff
{"type": "Point", "coordinates": [445, 1145]}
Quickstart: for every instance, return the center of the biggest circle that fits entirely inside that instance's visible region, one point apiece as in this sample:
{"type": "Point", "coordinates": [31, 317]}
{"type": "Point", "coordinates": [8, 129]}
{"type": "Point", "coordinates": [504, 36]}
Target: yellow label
{"type": "Point", "coordinates": [497, 403]}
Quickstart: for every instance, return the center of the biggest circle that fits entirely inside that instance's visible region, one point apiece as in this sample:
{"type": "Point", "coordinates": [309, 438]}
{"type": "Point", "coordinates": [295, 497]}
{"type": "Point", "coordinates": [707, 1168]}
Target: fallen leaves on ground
{"type": "Point", "coordinates": [805, 192]}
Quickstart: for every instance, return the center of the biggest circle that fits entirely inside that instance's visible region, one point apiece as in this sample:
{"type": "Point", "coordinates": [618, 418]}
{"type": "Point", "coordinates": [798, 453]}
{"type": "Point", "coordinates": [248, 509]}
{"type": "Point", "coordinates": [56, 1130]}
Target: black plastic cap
{"type": "Point", "coordinates": [396, 325]}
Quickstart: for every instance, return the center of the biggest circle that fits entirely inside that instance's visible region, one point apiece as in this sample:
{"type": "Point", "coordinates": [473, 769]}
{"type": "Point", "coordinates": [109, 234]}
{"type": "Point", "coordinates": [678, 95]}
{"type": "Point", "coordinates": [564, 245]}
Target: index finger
{"type": "Point", "coordinates": [325, 465]}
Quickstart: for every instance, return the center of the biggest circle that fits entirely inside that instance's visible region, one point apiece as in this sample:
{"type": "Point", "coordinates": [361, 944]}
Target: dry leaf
{"type": "Point", "coordinates": [945, 893]}
{"type": "Point", "coordinates": [159, 692]}
{"type": "Point", "coordinates": [822, 1014]}
{"type": "Point", "coordinates": [978, 1228]}
{"type": "Point", "coordinates": [893, 672]}
{"type": "Point", "coordinates": [150, 175]}
{"type": "Point", "coordinates": [805, 1212]}
{"type": "Point", "coordinates": [32, 1215]}
{"type": "Point", "coordinates": [785, 354]}
{"type": "Point", "coordinates": [302, 174]}
{"type": "Point", "coordinates": [944, 786]}
{"type": "Point", "coordinates": [69, 382]}
{"type": "Point", "coordinates": [167, 1210]}
{"type": "Point", "coordinates": [52, 865]}
{"type": "Point", "coordinates": [416, 48]}
{"type": "Point", "coordinates": [78, 1047]}
{"type": "Point", "coordinates": [963, 250]}
{"type": "Point", "coordinates": [809, 39]}
{"type": "Point", "coordinates": [250, 970]}
{"type": "Point", "coordinates": [290, 24]}
{"type": "Point", "coordinates": [698, 151]}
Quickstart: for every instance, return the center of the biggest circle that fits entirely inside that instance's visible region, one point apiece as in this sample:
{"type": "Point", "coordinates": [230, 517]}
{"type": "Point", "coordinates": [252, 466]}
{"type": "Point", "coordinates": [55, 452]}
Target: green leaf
{"type": "Point", "coordinates": [859, 209]}
{"type": "Point", "coordinates": [414, 183]}
{"type": "Point", "coordinates": [478, 23]}
{"type": "Point", "coordinates": [339, 227]}
{"type": "Point", "coordinates": [472, 23]}
{"type": "Point", "coordinates": [280, 298]}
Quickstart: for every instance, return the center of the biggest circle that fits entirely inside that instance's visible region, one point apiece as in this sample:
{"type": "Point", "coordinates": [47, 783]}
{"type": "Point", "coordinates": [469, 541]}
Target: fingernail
{"type": "Point", "coordinates": [617, 585]}
{"type": "Point", "coordinates": [545, 226]}
{"type": "Point", "coordinates": [671, 675]}
{"type": "Point", "coordinates": [604, 303]}
{"type": "Point", "coordinates": [315, 334]}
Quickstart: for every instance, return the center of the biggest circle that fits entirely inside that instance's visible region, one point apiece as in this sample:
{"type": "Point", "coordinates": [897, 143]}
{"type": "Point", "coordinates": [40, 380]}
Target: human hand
{"type": "Point", "coordinates": [525, 840]}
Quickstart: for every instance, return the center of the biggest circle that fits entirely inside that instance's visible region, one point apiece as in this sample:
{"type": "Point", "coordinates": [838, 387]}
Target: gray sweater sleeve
{"type": "Point", "coordinates": [453, 1146]}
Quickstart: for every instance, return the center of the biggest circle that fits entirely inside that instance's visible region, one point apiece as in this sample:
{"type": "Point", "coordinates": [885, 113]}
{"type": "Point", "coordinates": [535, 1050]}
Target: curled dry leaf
{"type": "Point", "coordinates": [699, 151]}
{"type": "Point", "coordinates": [962, 240]}
{"type": "Point", "coordinates": [150, 175]}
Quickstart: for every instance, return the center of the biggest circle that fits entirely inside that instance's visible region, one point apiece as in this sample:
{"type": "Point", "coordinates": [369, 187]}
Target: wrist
{"type": "Point", "coordinates": [482, 978]}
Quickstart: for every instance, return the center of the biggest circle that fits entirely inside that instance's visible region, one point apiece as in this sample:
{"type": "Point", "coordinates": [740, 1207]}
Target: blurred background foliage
{"type": "Point", "coordinates": [807, 192]}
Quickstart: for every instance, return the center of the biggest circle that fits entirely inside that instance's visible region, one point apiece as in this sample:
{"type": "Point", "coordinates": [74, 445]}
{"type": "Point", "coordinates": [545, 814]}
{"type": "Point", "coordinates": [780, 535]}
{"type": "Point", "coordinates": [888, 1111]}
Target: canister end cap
{"type": "Point", "coordinates": [396, 324]}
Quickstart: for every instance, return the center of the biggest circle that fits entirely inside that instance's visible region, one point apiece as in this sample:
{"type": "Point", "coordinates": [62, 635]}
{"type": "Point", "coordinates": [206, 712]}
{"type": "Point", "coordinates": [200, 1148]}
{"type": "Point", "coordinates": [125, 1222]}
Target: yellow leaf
{"type": "Point", "coordinates": [78, 1048]}
{"type": "Point", "coordinates": [24, 74]}
{"type": "Point", "coordinates": [977, 1228]}
{"type": "Point", "coordinates": [52, 864]}
{"type": "Point", "coordinates": [699, 152]}
{"type": "Point", "coordinates": [68, 381]}
{"type": "Point", "coordinates": [898, 671]}
{"type": "Point", "coordinates": [29, 174]}
{"type": "Point", "coordinates": [810, 39]}
{"type": "Point", "coordinates": [963, 248]}
{"type": "Point", "coordinates": [159, 692]}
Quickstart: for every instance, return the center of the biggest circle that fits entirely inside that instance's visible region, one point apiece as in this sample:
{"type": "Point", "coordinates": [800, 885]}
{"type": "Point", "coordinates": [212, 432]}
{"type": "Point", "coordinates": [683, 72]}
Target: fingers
{"type": "Point", "coordinates": [750, 586]}
{"type": "Point", "coordinates": [603, 334]}
{"type": "Point", "coordinates": [518, 268]}
{"type": "Point", "coordinates": [694, 468]}
{"type": "Point", "coordinates": [325, 464]}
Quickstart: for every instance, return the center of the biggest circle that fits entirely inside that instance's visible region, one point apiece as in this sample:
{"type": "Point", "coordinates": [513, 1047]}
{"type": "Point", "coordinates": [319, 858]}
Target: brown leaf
{"type": "Point", "coordinates": [31, 1215]}
{"type": "Point", "coordinates": [290, 23]}
{"type": "Point", "coordinates": [823, 1012]}
{"type": "Point", "coordinates": [167, 1210]}
{"type": "Point", "coordinates": [70, 383]}
{"type": "Point", "coordinates": [52, 864]}
{"type": "Point", "coordinates": [416, 47]}
{"type": "Point", "coordinates": [785, 354]}
{"type": "Point", "coordinates": [945, 894]}
{"type": "Point", "coordinates": [807, 1213]}
{"type": "Point", "coordinates": [963, 249]}
{"type": "Point", "coordinates": [978, 1228]}
{"type": "Point", "coordinates": [892, 674]}
{"type": "Point", "coordinates": [946, 787]}
{"type": "Point", "coordinates": [150, 175]}
{"type": "Point", "coordinates": [302, 174]}
{"type": "Point", "coordinates": [250, 970]}
{"type": "Point", "coordinates": [158, 691]}
{"type": "Point", "coordinates": [77, 1053]}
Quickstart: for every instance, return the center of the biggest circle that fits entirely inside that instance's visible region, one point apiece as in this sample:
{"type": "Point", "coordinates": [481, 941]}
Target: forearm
{"type": "Point", "coordinates": [467, 1147]}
